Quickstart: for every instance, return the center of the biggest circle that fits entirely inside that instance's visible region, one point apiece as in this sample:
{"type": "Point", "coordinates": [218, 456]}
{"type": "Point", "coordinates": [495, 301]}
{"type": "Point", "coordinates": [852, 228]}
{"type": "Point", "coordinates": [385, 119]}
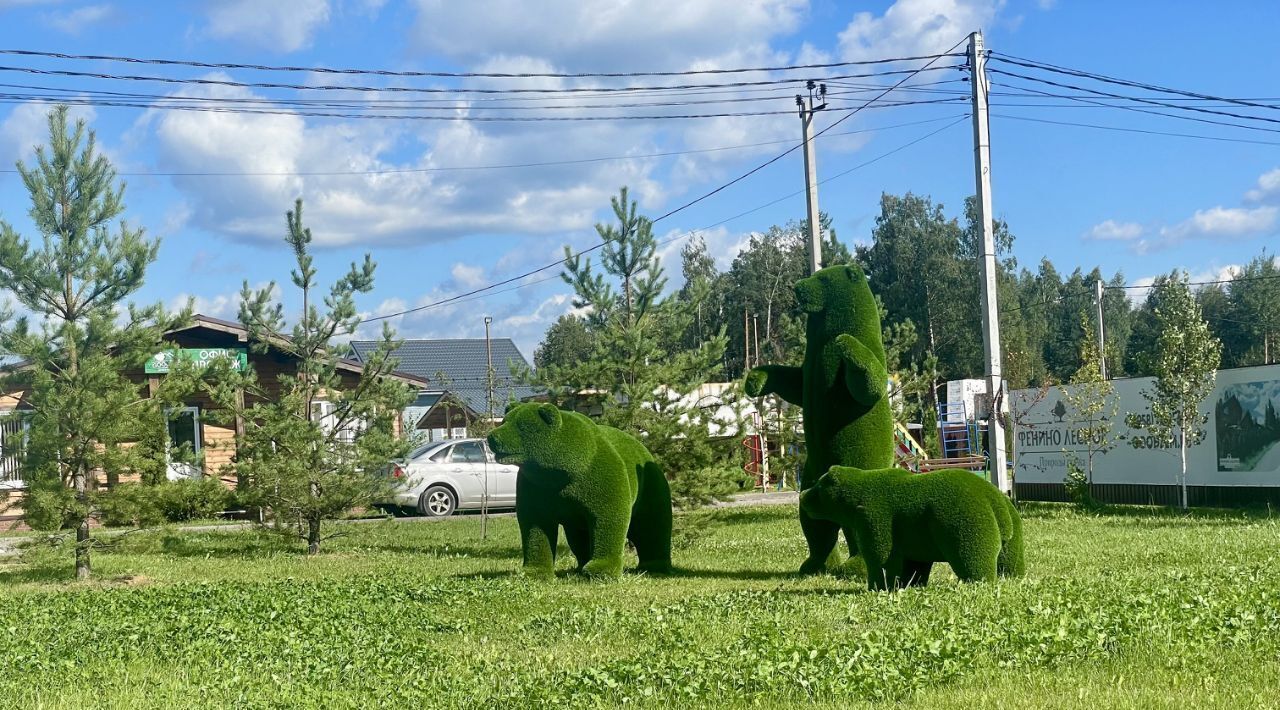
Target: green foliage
{"type": "Point", "coordinates": [140, 504]}
{"type": "Point", "coordinates": [566, 343]}
{"type": "Point", "coordinates": [905, 522]}
{"type": "Point", "coordinates": [841, 388]}
{"type": "Point", "coordinates": [302, 464]}
{"type": "Point", "coordinates": [82, 335]}
{"type": "Point", "coordinates": [1132, 609]}
{"type": "Point", "coordinates": [1184, 363]}
{"type": "Point", "coordinates": [1095, 406]}
{"type": "Point", "coordinates": [568, 465]}
{"type": "Point", "coordinates": [639, 376]}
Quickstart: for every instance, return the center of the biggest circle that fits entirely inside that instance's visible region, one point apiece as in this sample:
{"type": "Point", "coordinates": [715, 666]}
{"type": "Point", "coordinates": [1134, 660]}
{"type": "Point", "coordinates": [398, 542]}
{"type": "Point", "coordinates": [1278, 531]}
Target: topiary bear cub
{"type": "Point", "coordinates": [597, 482]}
{"type": "Point", "coordinates": [904, 522]}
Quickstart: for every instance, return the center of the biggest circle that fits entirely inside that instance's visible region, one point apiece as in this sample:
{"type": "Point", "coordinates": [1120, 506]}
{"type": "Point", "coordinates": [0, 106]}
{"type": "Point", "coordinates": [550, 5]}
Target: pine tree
{"type": "Point", "coordinates": [75, 344]}
{"type": "Point", "coordinates": [1184, 362]}
{"type": "Point", "coordinates": [640, 377]}
{"type": "Point", "coordinates": [303, 463]}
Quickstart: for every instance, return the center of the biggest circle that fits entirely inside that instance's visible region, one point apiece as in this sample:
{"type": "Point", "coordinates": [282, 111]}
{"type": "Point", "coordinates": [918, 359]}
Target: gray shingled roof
{"type": "Point", "coordinates": [464, 365]}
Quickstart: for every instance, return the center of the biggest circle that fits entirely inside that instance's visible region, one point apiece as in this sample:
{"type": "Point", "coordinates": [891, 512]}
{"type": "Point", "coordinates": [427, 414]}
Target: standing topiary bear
{"type": "Point", "coordinates": [847, 420]}
{"type": "Point", "coordinates": [904, 522]}
{"type": "Point", "coordinates": [598, 482]}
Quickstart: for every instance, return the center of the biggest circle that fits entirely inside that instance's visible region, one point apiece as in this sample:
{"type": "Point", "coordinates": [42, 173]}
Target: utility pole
{"type": "Point", "coordinates": [807, 109]}
{"type": "Point", "coordinates": [997, 456]}
{"type": "Point", "coordinates": [484, 497]}
{"type": "Point", "coordinates": [1102, 347]}
{"type": "Point", "coordinates": [746, 343]}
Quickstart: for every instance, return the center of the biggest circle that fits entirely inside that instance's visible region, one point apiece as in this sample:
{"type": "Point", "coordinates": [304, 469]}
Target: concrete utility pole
{"type": "Point", "coordinates": [1102, 347]}
{"type": "Point", "coordinates": [990, 314]}
{"type": "Point", "coordinates": [807, 109]}
{"type": "Point", "coordinates": [484, 497]}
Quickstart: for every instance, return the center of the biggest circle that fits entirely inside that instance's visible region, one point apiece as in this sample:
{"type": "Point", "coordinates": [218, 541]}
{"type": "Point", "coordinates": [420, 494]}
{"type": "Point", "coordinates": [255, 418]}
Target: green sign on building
{"type": "Point", "coordinates": [160, 362]}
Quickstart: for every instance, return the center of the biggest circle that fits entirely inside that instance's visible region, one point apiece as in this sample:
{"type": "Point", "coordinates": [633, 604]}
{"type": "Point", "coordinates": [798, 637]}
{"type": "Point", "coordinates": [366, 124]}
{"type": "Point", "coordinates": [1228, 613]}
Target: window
{"type": "Point", "coordinates": [184, 429]}
{"type": "Point", "coordinates": [468, 452]}
{"type": "Point", "coordinates": [13, 436]}
{"type": "Point", "coordinates": [441, 456]}
{"type": "Point", "coordinates": [184, 443]}
{"type": "Point", "coordinates": [326, 414]}
{"type": "Point", "coordinates": [459, 432]}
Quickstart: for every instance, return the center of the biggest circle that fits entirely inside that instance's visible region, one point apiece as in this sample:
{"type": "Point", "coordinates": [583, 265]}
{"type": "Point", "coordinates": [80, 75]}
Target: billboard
{"type": "Point", "coordinates": [1241, 448]}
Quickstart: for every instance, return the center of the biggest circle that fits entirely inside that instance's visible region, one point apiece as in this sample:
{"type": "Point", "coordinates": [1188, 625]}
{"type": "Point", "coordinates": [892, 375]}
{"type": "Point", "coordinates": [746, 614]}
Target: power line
{"type": "Point", "coordinates": [1135, 109]}
{"type": "Point", "coordinates": [484, 291]}
{"type": "Point", "coordinates": [780, 156]}
{"type": "Point", "coordinates": [440, 117]}
{"type": "Point", "coordinates": [548, 163]}
{"type": "Point", "coordinates": [1197, 283]}
{"type": "Point", "coordinates": [1134, 130]}
{"type": "Point", "coordinates": [454, 75]}
{"type": "Point", "coordinates": [1151, 102]}
{"type": "Point", "coordinates": [203, 81]}
{"type": "Point", "coordinates": [1033, 64]}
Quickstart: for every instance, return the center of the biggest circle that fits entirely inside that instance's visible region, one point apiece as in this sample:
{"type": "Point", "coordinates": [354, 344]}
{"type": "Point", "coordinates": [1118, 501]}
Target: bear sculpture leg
{"type": "Point", "coordinates": [651, 517]}
{"type": "Point", "coordinates": [822, 536]}
{"type": "Point", "coordinates": [540, 536]}
{"type": "Point", "coordinates": [579, 539]}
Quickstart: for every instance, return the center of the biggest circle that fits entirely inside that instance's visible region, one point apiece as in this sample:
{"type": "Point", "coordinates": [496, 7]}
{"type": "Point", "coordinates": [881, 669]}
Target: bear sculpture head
{"type": "Point", "coordinates": [541, 437]}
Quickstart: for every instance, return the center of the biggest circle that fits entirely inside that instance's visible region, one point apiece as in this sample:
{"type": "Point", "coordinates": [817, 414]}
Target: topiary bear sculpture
{"type": "Point", "coordinates": [904, 522]}
{"type": "Point", "coordinates": [597, 482]}
{"type": "Point", "coordinates": [841, 387]}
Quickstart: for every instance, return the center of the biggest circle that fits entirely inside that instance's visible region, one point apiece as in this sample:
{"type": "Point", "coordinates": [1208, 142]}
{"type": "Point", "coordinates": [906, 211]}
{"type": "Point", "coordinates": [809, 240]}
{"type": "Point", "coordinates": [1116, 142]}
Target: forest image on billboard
{"type": "Point", "coordinates": [1248, 426]}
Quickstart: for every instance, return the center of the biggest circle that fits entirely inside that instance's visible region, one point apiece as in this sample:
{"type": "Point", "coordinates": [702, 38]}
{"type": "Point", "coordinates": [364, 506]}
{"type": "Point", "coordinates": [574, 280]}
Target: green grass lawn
{"type": "Point", "coordinates": [1134, 609]}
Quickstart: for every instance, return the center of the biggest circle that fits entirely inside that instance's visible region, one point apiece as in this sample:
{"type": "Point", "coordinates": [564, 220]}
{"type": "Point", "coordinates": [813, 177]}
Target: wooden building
{"type": "Point", "coordinates": [215, 442]}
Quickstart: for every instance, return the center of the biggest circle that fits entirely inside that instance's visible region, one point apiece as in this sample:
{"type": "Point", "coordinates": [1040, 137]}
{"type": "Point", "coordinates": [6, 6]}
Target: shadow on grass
{"type": "Point", "coordinates": [748, 515]}
{"type": "Point", "coordinates": [37, 574]}
{"type": "Point", "coordinates": [449, 550]}
{"type": "Point", "coordinates": [742, 574]}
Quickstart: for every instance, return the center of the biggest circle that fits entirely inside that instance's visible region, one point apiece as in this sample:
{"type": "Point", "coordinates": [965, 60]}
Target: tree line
{"type": "Point", "coordinates": [922, 264]}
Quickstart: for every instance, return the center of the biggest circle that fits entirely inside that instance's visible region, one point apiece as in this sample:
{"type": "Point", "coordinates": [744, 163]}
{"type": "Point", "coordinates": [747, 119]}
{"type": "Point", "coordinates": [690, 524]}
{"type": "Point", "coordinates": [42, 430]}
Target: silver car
{"type": "Point", "coordinates": [444, 476]}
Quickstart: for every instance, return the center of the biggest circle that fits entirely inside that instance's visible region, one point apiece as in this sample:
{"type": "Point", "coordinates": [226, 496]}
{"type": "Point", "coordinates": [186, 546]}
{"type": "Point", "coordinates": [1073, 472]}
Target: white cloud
{"type": "Point", "coordinates": [1046, 4]}
{"type": "Point", "coordinates": [914, 27]}
{"type": "Point", "coordinates": [76, 21]}
{"type": "Point", "coordinates": [601, 32]}
{"type": "Point", "coordinates": [279, 25]}
{"type": "Point", "coordinates": [1268, 188]}
{"type": "Point", "coordinates": [282, 153]}
{"type": "Point", "coordinates": [1225, 222]}
{"type": "Point", "coordinates": [466, 275]}
{"type": "Point", "coordinates": [1111, 230]}
{"type": "Point", "coordinates": [27, 126]}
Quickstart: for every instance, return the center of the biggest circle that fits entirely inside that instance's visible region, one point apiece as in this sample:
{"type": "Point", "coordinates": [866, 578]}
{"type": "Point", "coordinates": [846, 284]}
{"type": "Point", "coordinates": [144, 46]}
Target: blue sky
{"type": "Point", "coordinates": [1141, 204]}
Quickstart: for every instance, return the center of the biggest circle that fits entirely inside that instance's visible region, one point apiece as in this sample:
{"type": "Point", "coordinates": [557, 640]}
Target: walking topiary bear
{"type": "Point", "coordinates": [904, 522]}
{"type": "Point", "coordinates": [597, 482]}
{"type": "Point", "coordinates": [841, 387]}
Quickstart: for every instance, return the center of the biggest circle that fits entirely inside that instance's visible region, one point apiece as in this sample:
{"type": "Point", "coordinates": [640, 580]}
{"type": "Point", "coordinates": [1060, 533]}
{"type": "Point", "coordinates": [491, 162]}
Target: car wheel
{"type": "Point", "coordinates": [437, 502]}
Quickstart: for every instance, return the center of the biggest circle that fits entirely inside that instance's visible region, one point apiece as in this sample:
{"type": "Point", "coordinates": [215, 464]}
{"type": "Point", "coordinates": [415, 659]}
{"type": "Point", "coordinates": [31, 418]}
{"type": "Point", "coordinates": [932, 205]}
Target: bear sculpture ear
{"type": "Point", "coordinates": [510, 406]}
{"type": "Point", "coordinates": [550, 415]}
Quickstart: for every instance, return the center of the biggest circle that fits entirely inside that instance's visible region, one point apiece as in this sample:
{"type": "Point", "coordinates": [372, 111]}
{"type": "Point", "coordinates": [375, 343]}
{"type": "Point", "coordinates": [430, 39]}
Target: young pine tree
{"type": "Point", "coordinates": [306, 461]}
{"type": "Point", "coordinates": [1185, 362]}
{"type": "Point", "coordinates": [75, 342]}
{"type": "Point", "coordinates": [640, 378]}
